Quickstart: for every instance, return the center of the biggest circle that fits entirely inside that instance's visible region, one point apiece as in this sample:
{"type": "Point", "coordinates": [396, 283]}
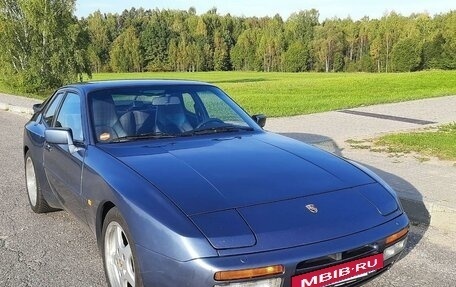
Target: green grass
{"type": "Point", "coordinates": [286, 94]}
{"type": "Point", "coordinates": [439, 143]}
{"type": "Point", "coordinates": [6, 89]}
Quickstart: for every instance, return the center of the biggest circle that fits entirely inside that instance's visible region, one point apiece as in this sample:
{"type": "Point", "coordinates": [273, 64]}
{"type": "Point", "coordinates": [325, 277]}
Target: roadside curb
{"type": "Point", "coordinates": [18, 104]}
{"type": "Point", "coordinates": [16, 109]}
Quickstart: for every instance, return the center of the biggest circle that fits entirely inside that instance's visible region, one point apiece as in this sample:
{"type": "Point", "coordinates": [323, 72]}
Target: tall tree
{"type": "Point", "coordinates": [300, 33]}
{"type": "Point", "coordinates": [221, 53]}
{"type": "Point", "coordinates": [155, 42]}
{"type": "Point", "coordinates": [43, 44]}
{"type": "Point", "coordinates": [448, 22]}
{"type": "Point", "coordinates": [272, 45]}
{"type": "Point", "coordinates": [125, 56]}
{"type": "Point", "coordinates": [99, 41]}
{"type": "Point", "coordinates": [391, 26]}
{"type": "Point", "coordinates": [406, 55]}
{"type": "Point", "coordinates": [328, 45]}
{"type": "Point", "coordinates": [295, 59]}
{"type": "Point", "coordinates": [350, 30]}
{"type": "Point", "coordinates": [243, 54]}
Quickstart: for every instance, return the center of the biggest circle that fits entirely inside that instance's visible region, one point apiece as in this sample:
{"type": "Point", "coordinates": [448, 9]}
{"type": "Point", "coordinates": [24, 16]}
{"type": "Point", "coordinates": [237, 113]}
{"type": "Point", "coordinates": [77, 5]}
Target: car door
{"type": "Point", "coordinates": [63, 168]}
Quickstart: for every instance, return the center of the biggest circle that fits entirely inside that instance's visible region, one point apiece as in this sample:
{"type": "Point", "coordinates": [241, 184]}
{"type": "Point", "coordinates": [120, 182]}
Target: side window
{"type": "Point", "coordinates": [50, 113]}
{"type": "Point", "coordinates": [189, 103]}
{"type": "Point", "coordinates": [70, 116]}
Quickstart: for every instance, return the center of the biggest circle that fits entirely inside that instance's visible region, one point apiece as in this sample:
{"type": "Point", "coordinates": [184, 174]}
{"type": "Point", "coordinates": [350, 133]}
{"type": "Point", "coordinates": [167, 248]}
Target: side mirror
{"type": "Point", "coordinates": [37, 108]}
{"type": "Point", "coordinates": [60, 136]}
{"type": "Point", "coordinates": [260, 120]}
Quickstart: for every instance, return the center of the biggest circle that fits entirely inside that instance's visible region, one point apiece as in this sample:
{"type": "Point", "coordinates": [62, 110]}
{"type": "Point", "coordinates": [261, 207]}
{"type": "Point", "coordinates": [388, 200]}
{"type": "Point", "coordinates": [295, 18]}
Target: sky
{"type": "Point", "coordinates": [356, 9]}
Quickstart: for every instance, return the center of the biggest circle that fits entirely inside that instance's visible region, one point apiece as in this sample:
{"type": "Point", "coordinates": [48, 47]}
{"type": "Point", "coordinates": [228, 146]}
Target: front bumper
{"type": "Point", "coordinates": [158, 270]}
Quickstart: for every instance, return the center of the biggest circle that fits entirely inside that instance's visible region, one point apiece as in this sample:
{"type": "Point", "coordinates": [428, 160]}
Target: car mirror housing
{"type": "Point", "coordinates": [37, 108]}
{"type": "Point", "coordinates": [60, 136]}
{"type": "Point", "coordinates": [260, 120]}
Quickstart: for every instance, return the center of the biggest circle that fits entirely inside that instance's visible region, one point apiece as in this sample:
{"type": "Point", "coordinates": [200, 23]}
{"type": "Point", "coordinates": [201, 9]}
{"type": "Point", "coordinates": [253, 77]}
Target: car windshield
{"type": "Point", "coordinates": [134, 113]}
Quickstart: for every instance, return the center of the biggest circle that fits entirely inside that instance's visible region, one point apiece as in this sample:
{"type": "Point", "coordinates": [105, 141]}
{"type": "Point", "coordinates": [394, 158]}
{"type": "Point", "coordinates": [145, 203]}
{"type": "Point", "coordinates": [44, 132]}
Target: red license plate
{"type": "Point", "coordinates": [339, 273]}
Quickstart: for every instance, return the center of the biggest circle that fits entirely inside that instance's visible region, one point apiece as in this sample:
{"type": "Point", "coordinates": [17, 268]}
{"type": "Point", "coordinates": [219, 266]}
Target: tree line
{"type": "Point", "coordinates": [171, 40]}
{"type": "Point", "coordinates": [44, 45]}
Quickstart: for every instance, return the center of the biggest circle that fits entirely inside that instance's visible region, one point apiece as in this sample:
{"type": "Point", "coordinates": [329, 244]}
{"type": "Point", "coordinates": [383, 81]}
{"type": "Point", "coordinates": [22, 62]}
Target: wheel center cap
{"type": "Point", "coordinates": [119, 263]}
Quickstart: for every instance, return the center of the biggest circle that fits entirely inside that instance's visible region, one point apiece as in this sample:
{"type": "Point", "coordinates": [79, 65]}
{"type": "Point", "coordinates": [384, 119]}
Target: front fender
{"type": "Point", "coordinates": [33, 142]}
{"type": "Point", "coordinates": [154, 221]}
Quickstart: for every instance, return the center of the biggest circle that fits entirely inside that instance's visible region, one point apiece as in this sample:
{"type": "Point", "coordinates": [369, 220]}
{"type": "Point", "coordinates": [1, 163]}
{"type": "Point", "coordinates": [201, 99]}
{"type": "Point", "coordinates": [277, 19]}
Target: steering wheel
{"type": "Point", "coordinates": [208, 121]}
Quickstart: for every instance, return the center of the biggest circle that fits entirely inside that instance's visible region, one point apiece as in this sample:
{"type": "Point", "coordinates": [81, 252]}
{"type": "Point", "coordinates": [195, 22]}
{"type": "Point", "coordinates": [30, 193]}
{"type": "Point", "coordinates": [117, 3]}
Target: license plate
{"type": "Point", "coordinates": [339, 274]}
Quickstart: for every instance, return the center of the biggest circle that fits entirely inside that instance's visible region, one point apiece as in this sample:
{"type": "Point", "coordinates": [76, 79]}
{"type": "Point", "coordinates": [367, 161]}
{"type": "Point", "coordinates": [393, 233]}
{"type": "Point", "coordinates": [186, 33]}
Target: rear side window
{"type": "Point", "coordinates": [70, 116]}
{"type": "Point", "coordinates": [50, 112]}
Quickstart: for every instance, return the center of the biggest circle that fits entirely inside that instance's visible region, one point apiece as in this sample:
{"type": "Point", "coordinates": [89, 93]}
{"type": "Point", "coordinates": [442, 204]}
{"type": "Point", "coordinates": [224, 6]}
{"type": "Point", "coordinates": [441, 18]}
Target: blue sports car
{"type": "Point", "coordinates": [181, 187]}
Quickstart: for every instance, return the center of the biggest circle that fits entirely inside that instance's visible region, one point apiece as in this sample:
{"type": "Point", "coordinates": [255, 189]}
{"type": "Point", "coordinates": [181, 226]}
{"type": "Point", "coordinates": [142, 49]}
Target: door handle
{"type": "Point", "coordinates": [47, 147]}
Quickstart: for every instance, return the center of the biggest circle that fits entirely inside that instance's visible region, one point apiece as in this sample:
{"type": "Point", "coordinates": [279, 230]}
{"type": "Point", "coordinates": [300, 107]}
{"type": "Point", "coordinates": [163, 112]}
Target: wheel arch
{"type": "Point", "coordinates": [26, 149]}
{"type": "Point", "coordinates": [102, 211]}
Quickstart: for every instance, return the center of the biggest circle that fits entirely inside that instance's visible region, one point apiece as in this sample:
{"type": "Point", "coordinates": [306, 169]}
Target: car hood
{"type": "Point", "coordinates": [238, 178]}
{"type": "Point", "coordinates": [296, 222]}
{"type": "Point", "coordinates": [207, 175]}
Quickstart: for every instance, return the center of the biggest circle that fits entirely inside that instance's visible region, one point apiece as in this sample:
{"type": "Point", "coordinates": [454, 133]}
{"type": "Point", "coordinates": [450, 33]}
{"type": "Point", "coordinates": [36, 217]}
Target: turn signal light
{"type": "Point", "coordinates": [249, 273]}
{"type": "Point", "coordinates": [396, 236]}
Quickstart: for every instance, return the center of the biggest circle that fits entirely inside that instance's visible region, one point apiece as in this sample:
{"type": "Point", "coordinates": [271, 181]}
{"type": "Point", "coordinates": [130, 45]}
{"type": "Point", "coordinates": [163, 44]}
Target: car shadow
{"type": "Point", "coordinates": [415, 208]}
{"type": "Point", "coordinates": [323, 142]}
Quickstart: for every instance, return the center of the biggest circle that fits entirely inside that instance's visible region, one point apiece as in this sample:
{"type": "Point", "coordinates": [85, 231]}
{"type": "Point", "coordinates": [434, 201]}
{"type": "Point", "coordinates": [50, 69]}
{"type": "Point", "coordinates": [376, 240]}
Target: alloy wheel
{"type": "Point", "coordinates": [119, 258]}
{"type": "Point", "coordinates": [30, 177]}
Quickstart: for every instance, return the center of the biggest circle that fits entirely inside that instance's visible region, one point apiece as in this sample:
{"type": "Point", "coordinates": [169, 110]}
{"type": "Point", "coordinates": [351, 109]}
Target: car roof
{"type": "Point", "coordinates": [88, 87]}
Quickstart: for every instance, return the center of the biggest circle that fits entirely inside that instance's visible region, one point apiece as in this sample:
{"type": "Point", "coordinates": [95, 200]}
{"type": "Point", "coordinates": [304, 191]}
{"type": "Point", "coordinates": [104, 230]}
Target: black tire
{"type": "Point", "coordinates": [34, 193]}
{"type": "Point", "coordinates": [112, 218]}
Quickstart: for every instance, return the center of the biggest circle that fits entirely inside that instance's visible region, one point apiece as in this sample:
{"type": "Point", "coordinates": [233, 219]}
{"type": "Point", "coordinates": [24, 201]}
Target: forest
{"type": "Point", "coordinates": [45, 45]}
{"type": "Point", "coordinates": [167, 40]}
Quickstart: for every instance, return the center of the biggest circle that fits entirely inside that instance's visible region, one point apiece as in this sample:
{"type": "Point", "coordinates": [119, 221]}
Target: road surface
{"type": "Point", "coordinates": [56, 250]}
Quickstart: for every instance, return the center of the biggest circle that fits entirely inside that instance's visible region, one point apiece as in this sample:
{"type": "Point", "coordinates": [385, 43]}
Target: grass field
{"type": "Point", "coordinates": [440, 143]}
{"type": "Point", "coordinates": [286, 94]}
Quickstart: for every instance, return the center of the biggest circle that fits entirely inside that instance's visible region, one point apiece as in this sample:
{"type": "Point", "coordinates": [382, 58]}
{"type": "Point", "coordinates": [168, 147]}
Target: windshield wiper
{"type": "Point", "coordinates": [156, 135]}
{"type": "Point", "coordinates": [213, 130]}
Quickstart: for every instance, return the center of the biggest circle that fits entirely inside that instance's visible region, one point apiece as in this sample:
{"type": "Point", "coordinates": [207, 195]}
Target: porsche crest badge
{"type": "Point", "coordinates": [312, 208]}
